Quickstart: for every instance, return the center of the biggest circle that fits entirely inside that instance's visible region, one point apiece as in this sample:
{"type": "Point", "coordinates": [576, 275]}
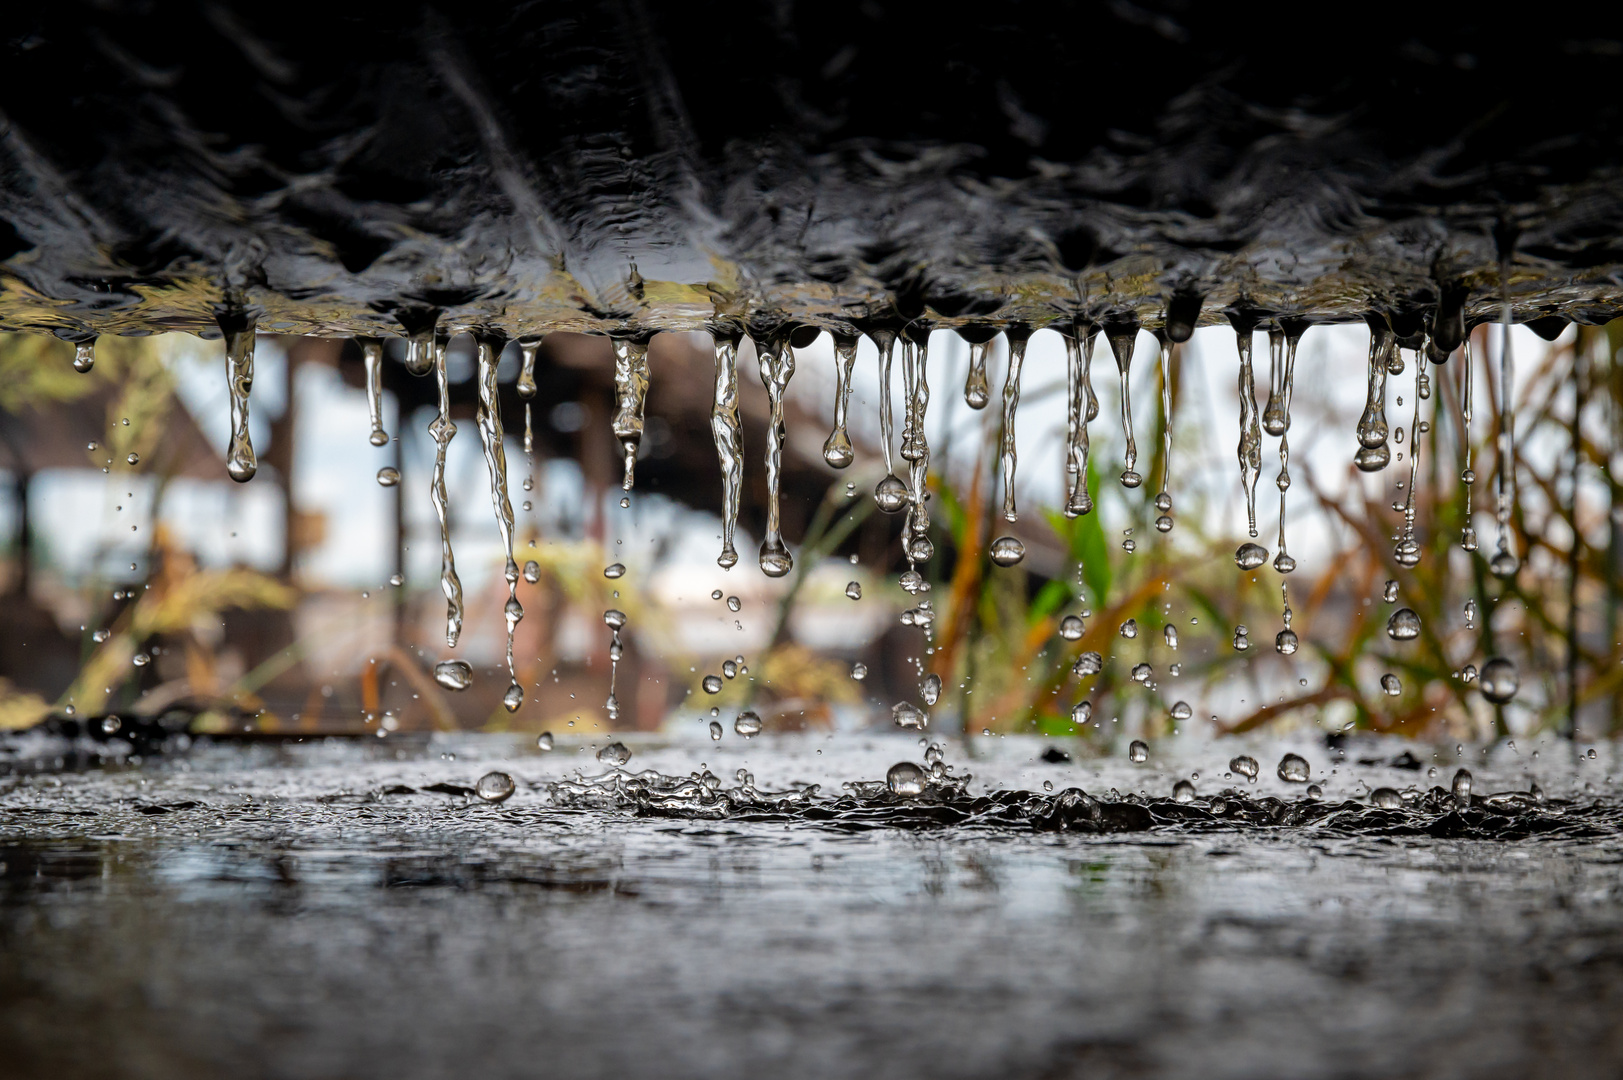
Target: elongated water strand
{"type": "Point", "coordinates": [1163, 499]}
{"type": "Point", "coordinates": [443, 429]}
{"type": "Point", "coordinates": [1467, 474]}
{"type": "Point", "coordinates": [615, 620]}
{"type": "Point", "coordinates": [1018, 337]}
{"type": "Point", "coordinates": [1373, 453]}
{"type": "Point", "coordinates": [491, 439]}
{"type": "Point", "coordinates": [1250, 448]}
{"type": "Point", "coordinates": [1121, 344]}
{"type": "Point", "coordinates": [1283, 562]}
{"type": "Point", "coordinates": [630, 399]}
{"type": "Point", "coordinates": [1082, 407]}
{"type": "Point", "coordinates": [1273, 414]}
{"type": "Point", "coordinates": [915, 362]}
{"type": "Point", "coordinates": [527, 348]}
{"type": "Point", "coordinates": [1407, 552]}
{"type": "Point", "coordinates": [891, 493]}
{"type": "Point", "coordinates": [238, 329]}
{"type": "Point", "coordinates": [837, 447]}
{"type": "Point", "coordinates": [1504, 562]}
{"type": "Point", "coordinates": [372, 354]}
{"type": "Point", "coordinates": [777, 365]}
{"type": "Point", "coordinates": [729, 439]}
{"type": "Point", "coordinates": [977, 392]}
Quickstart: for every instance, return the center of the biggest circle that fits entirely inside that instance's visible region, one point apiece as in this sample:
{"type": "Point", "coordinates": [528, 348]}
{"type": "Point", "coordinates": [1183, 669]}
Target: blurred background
{"type": "Point", "coordinates": [140, 581]}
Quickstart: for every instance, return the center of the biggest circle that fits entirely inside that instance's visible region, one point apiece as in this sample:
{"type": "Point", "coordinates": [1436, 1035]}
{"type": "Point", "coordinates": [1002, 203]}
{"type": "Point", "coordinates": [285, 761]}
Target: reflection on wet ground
{"type": "Point", "coordinates": [350, 910]}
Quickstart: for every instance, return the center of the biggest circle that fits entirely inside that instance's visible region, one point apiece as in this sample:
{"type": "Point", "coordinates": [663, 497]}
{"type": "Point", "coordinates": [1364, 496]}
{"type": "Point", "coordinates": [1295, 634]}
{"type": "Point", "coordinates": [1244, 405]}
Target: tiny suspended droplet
{"type": "Point", "coordinates": [134, 459]}
{"type": "Point", "coordinates": [494, 787]}
{"type": "Point", "coordinates": [1294, 769]}
{"type": "Point", "coordinates": [611, 571]}
{"type": "Point", "coordinates": [930, 689]}
{"type": "Point", "coordinates": [1129, 629]}
{"type": "Point", "coordinates": [1170, 633]}
{"type": "Point", "coordinates": [1286, 642]}
{"type": "Point", "coordinates": [734, 603]}
{"type": "Point", "coordinates": [1468, 673]}
{"type": "Point", "coordinates": [1391, 686]}
{"type": "Point", "coordinates": [543, 741]}
{"type": "Point", "coordinates": [859, 671]}
{"type": "Point", "coordinates": [1404, 625]}
{"type": "Point", "coordinates": [747, 724]}
{"type": "Point", "coordinates": [615, 754]}
{"type": "Point", "coordinates": [853, 589]}
{"type": "Point", "coordinates": [454, 674]}
{"type": "Point", "coordinates": [388, 476]}
{"type": "Point", "coordinates": [907, 715]}
{"type": "Point", "coordinates": [1071, 628]}
{"type": "Point", "coordinates": [1007, 551]}
{"type": "Point", "coordinates": [1081, 712]}
{"type": "Point", "coordinates": [1138, 751]}
{"type": "Point", "coordinates": [715, 731]}
{"type": "Point", "coordinates": [1181, 710]}
{"type": "Point", "coordinates": [532, 571]}
{"type": "Point", "coordinates": [84, 356]}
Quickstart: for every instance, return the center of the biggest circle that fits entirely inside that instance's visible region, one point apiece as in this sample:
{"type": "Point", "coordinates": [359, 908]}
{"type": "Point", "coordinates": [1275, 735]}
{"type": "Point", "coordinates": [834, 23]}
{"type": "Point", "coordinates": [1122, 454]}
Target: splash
{"type": "Point", "coordinates": [631, 398]}
{"type": "Point", "coordinates": [729, 439]}
{"type": "Point", "coordinates": [490, 437]}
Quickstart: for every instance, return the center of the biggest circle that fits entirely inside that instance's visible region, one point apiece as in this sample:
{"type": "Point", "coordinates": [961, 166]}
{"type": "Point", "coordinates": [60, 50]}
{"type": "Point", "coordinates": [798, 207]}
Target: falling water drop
{"type": "Point", "coordinates": [1294, 769]}
{"type": "Point", "coordinates": [1245, 765]}
{"type": "Point", "coordinates": [1007, 551]}
{"type": "Point", "coordinates": [1170, 633]}
{"type": "Point", "coordinates": [1470, 614]}
{"type": "Point", "coordinates": [930, 689]}
{"type": "Point", "coordinates": [84, 355]}
{"type": "Point", "coordinates": [454, 674]}
{"type": "Point", "coordinates": [1071, 628]}
{"type": "Point", "coordinates": [891, 494]}
{"type": "Point", "coordinates": [712, 684]}
{"type": "Point", "coordinates": [494, 787]}
{"type": "Point", "coordinates": [777, 365]}
{"type": "Point", "coordinates": [715, 731]}
{"type": "Point", "coordinates": [1089, 663]}
{"type": "Point", "coordinates": [734, 603]}
{"type": "Point", "coordinates": [543, 741]}
{"type": "Point", "coordinates": [1242, 639]}
{"type": "Point", "coordinates": [837, 448]}
{"type": "Point", "coordinates": [1018, 335]}
{"type": "Point", "coordinates": [513, 698]}
{"type": "Point", "coordinates": [1373, 454]}
{"type": "Point", "coordinates": [1390, 685]}
{"type": "Point", "coordinates": [1249, 556]}
{"type": "Point", "coordinates": [238, 328]}
{"type": "Point", "coordinates": [1138, 751]}
{"type": "Point", "coordinates": [1390, 592]}
{"type": "Point", "coordinates": [611, 571]}
{"type": "Point", "coordinates": [907, 715]}
{"type": "Point", "coordinates": [532, 571]}
{"type": "Point", "coordinates": [388, 476]}
{"type": "Point", "coordinates": [1181, 710]}
{"type": "Point", "coordinates": [859, 671]}
{"type": "Point", "coordinates": [1250, 449]}
{"type": "Point", "coordinates": [1129, 629]}
{"type": "Point", "coordinates": [1499, 680]}
{"type": "Point", "coordinates": [1462, 786]}
{"type": "Point", "coordinates": [977, 391]}
{"type": "Point", "coordinates": [853, 589]}
{"type": "Point", "coordinates": [1404, 625]}
{"type": "Point", "coordinates": [615, 754]}
{"type": "Point", "coordinates": [729, 439]}
{"type": "Point", "coordinates": [1122, 338]}
{"type": "Point", "coordinates": [630, 398]}
{"type": "Point", "coordinates": [1081, 712]}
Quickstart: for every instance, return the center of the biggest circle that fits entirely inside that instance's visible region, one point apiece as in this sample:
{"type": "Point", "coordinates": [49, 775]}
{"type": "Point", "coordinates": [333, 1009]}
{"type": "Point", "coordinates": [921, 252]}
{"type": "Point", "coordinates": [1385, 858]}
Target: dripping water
{"type": "Point", "coordinates": [1163, 498]}
{"type": "Point", "coordinates": [915, 445]}
{"type": "Point", "coordinates": [1018, 337]}
{"type": "Point", "coordinates": [239, 374]}
{"type": "Point", "coordinates": [1293, 330]}
{"type": "Point", "coordinates": [630, 397]}
{"type": "Point", "coordinates": [891, 493]}
{"type": "Point", "coordinates": [837, 448]}
{"type": "Point", "coordinates": [777, 365]}
{"type": "Point", "coordinates": [1081, 407]}
{"type": "Point", "coordinates": [615, 620]}
{"type": "Point", "coordinates": [977, 392]}
{"type": "Point", "coordinates": [1121, 344]}
{"type": "Point", "coordinates": [443, 430]}
{"type": "Point", "coordinates": [489, 419]}
{"type": "Point", "coordinates": [1504, 562]}
{"type": "Point", "coordinates": [1250, 451]}
{"type": "Point", "coordinates": [84, 355]}
{"type": "Point", "coordinates": [1407, 552]}
{"type": "Point", "coordinates": [1373, 453]}
{"type": "Point", "coordinates": [729, 439]}
{"type": "Point", "coordinates": [421, 348]}
{"type": "Point", "coordinates": [372, 354]}
{"type": "Point", "coordinates": [1468, 474]}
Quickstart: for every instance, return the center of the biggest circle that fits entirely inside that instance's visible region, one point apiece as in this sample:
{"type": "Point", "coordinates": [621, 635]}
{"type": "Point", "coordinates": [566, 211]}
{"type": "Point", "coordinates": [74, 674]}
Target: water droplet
{"type": "Point", "coordinates": [1089, 663]}
{"type": "Point", "coordinates": [1142, 673]}
{"type": "Point", "coordinates": [134, 459]}
{"type": "Point", "coordinates": [729, 668]}
{"type": "Point", "coordinates": [1390, 685]}
{"type": "Point", "coordinates": [1390, 593]}
{"type": "Point", "coordinates": [1462, 786]}
{"type": "Point", "coordinates": [775, 559]}
{"type": "Point", "coordinates": [1499, 680]}
{"type": "Point", "coordinates": [1468, 673]}
{"type": "Point", "coordinates": [747, 724]}
{"type": "Point", "coordinates": [614, 619]}
{"type": "Point", "coordinates": [1129, 629]}
{"type": "Point", "coordinates": [84, 356]}
{"type": "Point", "coordinates": [513, 698]}
{"type": "Point", "coordinates": [1183, 791]}
{"type": "Point", "coordinates": [141, 659]}
{"type": "Point", "coordinates": [1286, 642]}
{"type": "Point", "coordinates": [712, 684]}
{"type": "Point", "coordinates": [532, 571]}
{"type": "Point", "coordinates": [859, 671]}
{"type": "Point", "coordinates": [100, 636]}
{"type": "Point", "coordinates": [1007, 551]}
{"type": "Point", "coordinates": [1386, 798]}
{"type": "Point", "coordinates": [388, 476]}
{"type": "Point", "coordinates": [494, 787]}
{"type": "Point", "coordinates": [1245, 765]}
{"type": "Point", "coordinates": [1170, 633]}
{"type": "Point", "coordinates": [1294, 769]}
{"type": "Point", "coordinates": [1081, 712]}
{"type": "Point", "coordinates": [1181, 710]}
{"type": "Point", "coordinates": [397, 580]}
{"type": "Point", "coordinates": [1071, 628]}
{"type": "Point", "coordinates": [1241, 642]}
{"type": "Point", "coordinates": [1314, 792]}
{"type": "Point", "coordinates": [1504, 565]}
{"type": "Point", "coordinates": [734, 603]}
{"type": "Point", "coordinates": [715, 731]}
{"type": "Point", "coordinates": [454, 674]}
{"type": "Point", "coordinates": [891, 494]}
{"type": "Point", "coordinates": [853, 589]}
{"type": "Point", "coordinates": [907, 715]}
{"type": "Point", "coordinates": [715, 594]}
{"type": "Point", "coordinates": [625, 502]}
{"type": "Point", "coordinates": [905, 779]}
{"type": "Point", "coordinates": [615, 754]}
{"type": "Point", "coordinates": [1138, 751]}
{"type": "Point", "coordinates": [543, 741]}
{"type": "Point", "coordinates": [1404, 625]}
{"type": "Point", "coordinates": [614, 570]}
{"type": "Point", "coordinates": [1250, 556]}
